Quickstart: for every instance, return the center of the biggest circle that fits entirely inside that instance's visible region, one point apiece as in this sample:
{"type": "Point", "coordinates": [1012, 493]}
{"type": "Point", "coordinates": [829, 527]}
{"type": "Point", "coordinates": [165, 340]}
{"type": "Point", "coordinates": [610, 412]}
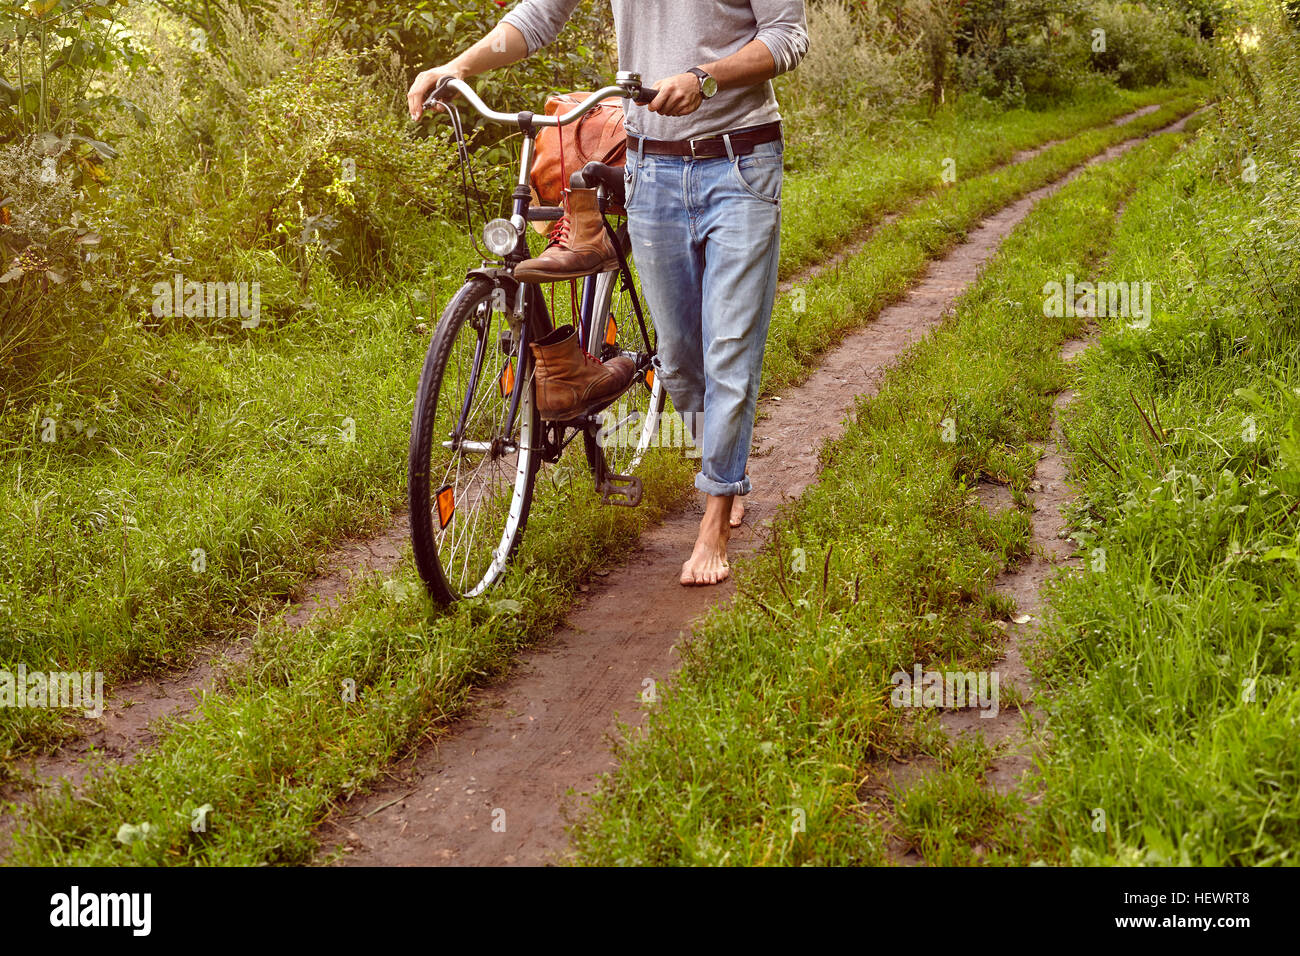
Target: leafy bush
{"type": "Point", "coordinates": [1204, 16]}
{"type": "Point", "coordinates": [42, 239]}
{"type": "Point", "coordinates": [426, 32]}
{"type": "Point", "coordinates": [53, 54]}
{"type": "Point", "coordinates": [1033, 51]}
{"type": "Point", "coordinates": [1141, 46]}
{"type": "Point", "coordinates": [858, 59]}
{"type": "Point", "coordinates": [247, 141]}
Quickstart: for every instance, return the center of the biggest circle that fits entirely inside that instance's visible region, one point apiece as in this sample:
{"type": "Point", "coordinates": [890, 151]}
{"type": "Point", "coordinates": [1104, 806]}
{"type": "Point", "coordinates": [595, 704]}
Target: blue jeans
{"type": "Point", "coordinates": [706, 234]}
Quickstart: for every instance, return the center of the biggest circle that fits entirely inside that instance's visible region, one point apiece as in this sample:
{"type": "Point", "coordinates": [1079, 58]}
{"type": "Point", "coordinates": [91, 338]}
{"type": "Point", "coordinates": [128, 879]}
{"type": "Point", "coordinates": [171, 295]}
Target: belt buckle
{"type": "Point", "coordinates": [692, 143]}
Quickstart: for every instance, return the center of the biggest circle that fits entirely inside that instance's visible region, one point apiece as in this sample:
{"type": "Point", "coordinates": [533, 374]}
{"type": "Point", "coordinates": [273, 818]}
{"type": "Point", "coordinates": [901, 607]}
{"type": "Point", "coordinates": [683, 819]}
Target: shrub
{"type": "Point", "coordinates": [1141, 46]}
{"type": "Point", "coordinates": [1018, 52]}
{"type": "Point", "coordinates": [858, 60]}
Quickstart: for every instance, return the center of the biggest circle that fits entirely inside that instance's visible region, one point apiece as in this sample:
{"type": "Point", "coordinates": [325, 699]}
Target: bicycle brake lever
{"type": "Point", "coordinates": [442, 92]}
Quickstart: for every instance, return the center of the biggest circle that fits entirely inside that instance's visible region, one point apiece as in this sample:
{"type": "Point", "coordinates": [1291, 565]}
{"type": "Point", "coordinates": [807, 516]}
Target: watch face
{"type": "Point", "coordinates": [708, 86]}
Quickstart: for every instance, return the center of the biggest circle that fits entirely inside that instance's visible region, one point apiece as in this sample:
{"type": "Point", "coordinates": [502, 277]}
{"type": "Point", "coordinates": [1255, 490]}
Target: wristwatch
{"type": "Point", "coordinates": [708, 85]}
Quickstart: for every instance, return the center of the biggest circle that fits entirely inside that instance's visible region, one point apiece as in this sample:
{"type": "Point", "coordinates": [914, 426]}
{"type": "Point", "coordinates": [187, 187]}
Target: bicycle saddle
{"type": "Point", "coordinates": [599, 174]}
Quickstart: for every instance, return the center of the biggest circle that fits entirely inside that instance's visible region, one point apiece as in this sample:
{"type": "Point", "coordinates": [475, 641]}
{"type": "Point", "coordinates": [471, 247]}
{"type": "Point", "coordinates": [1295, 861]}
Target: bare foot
{"type": "Point", "coordinates": [708, 562]}
{"type": "Point", "coordinates": [737, 512]}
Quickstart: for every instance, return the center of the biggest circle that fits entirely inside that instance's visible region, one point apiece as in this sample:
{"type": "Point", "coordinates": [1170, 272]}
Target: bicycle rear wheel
{"type": "Point", "coordinates": [471, 474]}
{"type": "Point", "coordinates": [629, 426]}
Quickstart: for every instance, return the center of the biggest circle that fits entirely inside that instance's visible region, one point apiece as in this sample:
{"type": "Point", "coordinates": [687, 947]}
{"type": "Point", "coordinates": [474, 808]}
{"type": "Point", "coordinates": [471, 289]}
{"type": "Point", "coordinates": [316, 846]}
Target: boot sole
{"type": "Point", "coordinates": [539, 278]}
{"type": "Point", "coordinates": [568, 414]}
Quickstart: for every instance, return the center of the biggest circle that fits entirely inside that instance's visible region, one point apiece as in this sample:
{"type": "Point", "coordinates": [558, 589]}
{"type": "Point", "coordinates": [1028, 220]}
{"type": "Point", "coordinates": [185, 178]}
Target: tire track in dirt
{"type": "Point", "coordinates": [1006, 733]}
{"type": "Point", "coordinates": [852, 246]}
{"type": "Point", "coordinates": [495, 790]}
{"type": "Point", "coordinates": [1050, 551]}
{"type": "Point", "coordinates": [129, 714]}
{"type": "Point", "coordinates": [135, 710]}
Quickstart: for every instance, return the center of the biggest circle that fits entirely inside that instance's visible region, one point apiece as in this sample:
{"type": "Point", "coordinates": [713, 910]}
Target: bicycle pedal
{"type": "Point", "coordinates": [622, 490]}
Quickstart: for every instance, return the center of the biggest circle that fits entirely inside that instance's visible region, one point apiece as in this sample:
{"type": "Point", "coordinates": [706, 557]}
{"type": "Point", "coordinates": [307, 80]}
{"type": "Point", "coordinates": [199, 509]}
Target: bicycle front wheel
{"type": "Point", "coordinates": [471, 468]}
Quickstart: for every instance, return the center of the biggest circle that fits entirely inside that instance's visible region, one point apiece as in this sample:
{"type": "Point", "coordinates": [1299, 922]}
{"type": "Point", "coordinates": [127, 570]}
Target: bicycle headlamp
{"type": "Point", "coordinates": [500, 236]}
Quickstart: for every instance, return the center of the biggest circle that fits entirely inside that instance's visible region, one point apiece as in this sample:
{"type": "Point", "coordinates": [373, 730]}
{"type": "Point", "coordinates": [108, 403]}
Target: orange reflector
{"type": "Point", "coordinates": [507, 379]}
{"type": "Point", "coordinates": [446, 499]}
{"type": "Point", "coordinates": [650, 378]}
{"type": "Point", "coordinates": [611, 331]}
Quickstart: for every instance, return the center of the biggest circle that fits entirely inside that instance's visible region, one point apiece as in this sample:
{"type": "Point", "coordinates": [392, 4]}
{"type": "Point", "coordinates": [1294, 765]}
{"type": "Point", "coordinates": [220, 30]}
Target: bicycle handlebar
{"type": "Point", "coordinates": [628, 86]}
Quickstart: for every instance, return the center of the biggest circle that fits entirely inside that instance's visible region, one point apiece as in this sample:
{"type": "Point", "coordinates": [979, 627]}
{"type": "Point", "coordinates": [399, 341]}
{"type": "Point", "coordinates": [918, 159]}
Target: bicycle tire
{"type": "Point", "coordinates": [428, 540]}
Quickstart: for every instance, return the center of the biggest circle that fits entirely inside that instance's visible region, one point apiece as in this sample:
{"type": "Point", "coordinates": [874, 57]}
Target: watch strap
{"type": "Point", "coordinates": [701, 75]}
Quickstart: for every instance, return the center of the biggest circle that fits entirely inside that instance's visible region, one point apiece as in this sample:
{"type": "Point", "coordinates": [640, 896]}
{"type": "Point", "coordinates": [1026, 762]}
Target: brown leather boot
{"type": "Point", "coordinates": [570, 381]}
{"type": "Point", "coordinates": [578, 245]}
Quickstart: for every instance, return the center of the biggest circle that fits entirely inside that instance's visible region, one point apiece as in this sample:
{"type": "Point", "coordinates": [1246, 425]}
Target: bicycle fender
{"type": "Point", "coordinates": [494, 274]}
{"type": "Point", "coordinates": [510, 289]}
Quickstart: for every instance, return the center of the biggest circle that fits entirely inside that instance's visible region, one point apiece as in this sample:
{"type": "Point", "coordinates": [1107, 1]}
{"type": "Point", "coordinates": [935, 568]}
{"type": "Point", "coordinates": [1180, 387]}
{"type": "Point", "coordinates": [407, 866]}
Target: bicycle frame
{"type": "Point", "coordinates": [528, 305]}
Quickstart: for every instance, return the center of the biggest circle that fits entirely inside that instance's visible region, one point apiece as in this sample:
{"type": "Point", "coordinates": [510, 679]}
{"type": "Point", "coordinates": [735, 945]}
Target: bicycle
{"type": "Point", "coordinates": [471, 491]}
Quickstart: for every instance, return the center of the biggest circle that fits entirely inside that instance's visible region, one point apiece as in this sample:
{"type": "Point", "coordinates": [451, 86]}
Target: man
{"type": "Point", "coordinates": [703, 182]}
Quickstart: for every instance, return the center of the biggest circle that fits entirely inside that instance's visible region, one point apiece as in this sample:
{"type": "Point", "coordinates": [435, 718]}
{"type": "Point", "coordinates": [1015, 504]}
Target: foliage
{"type": "Point", "coordinates": [1035, 50]}
{"type": "Point", "coordinates": [858, 60]}
{"type": "Point", "coordinates": [1143, 45]}
{"type": "Point", "coordinates": [53, 55]}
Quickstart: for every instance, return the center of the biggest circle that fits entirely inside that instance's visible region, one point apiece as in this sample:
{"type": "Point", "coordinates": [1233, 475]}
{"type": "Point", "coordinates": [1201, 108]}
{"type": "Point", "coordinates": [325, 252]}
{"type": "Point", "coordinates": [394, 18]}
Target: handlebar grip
{"type": "Point", "coordinates": [645, 95]}
{"type": "Point", "coordinates": [441, 93]}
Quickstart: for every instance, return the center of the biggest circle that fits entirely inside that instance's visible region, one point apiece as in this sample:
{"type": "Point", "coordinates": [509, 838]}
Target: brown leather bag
{"type": "Point", "coordinates": [597, 137]}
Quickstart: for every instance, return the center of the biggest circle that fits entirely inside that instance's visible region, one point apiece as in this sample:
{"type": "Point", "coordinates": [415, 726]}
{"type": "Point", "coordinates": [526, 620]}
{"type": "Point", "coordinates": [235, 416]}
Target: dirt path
{"type": "Point", "coordinates": [1050, 550]}
{"type": "Point", "coordinates": [494, 792]}
{"type": "Point", "coordinates": [134, 710]}
{"type": "Point", "coordinates": [1006, 733]}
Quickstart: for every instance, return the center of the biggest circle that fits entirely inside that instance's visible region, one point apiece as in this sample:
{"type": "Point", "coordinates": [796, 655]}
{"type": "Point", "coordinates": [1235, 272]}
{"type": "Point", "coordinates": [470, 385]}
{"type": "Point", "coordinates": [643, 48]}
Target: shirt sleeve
{"type": "Point", "coordinates": [540, 21]}
{"type": "Point", "coordinates": [783, 29]}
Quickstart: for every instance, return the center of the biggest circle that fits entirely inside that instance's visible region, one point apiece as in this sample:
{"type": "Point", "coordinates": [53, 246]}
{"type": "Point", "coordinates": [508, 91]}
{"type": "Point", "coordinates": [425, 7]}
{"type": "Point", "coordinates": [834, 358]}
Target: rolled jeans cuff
{"type": "Point", "coordinates": [722, 488]}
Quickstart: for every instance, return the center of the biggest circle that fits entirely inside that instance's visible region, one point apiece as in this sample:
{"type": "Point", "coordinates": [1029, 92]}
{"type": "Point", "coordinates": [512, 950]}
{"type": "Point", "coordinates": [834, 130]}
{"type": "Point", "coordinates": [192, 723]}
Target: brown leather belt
{"type": "Point", "coordinates": [743, 142]}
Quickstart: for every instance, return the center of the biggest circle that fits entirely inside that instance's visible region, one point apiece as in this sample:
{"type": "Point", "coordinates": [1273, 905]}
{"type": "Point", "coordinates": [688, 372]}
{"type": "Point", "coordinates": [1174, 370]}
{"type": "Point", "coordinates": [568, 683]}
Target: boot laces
{"type": "Point", "coordinates": [559, 234]}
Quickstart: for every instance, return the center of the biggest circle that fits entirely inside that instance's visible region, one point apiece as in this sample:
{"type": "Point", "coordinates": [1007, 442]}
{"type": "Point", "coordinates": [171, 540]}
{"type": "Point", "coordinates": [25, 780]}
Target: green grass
{"type": "Point", "coordinates": [1173, 658]}
{"type": "Point", "coordinates": [237, 446]}
{"type": "Point", "coordinates": [841, 184]}
{"type": "Point", "coordinates": [782, 708]}
{"type": "Point", "coordinates": [275, 749]}
{"type": "Point", "coordinates": [898, 252]}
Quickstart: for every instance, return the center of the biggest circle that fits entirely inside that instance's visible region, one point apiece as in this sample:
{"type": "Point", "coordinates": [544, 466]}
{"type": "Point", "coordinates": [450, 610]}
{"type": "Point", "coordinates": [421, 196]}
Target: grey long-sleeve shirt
{"type": "Point", "coordinates": [661, 38]}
